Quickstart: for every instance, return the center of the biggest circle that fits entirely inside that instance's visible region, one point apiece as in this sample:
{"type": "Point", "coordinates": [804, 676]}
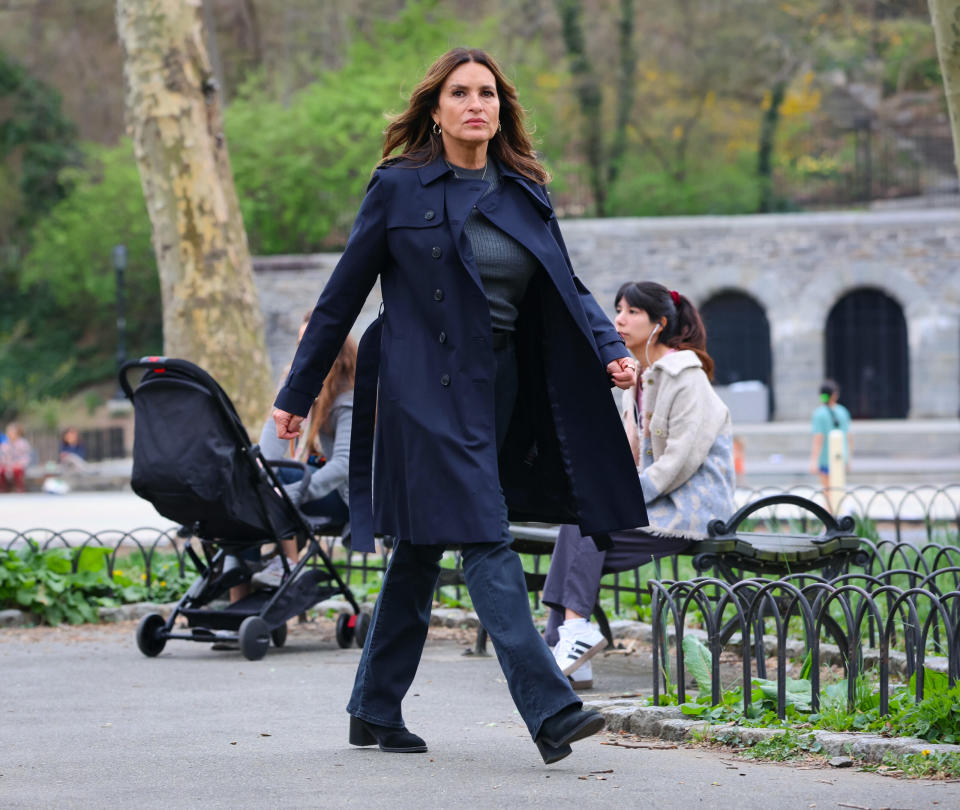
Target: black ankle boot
{"type": "Point", "coordinates": [565, 727]}
{"type": "Point", "coordinates": [391, 740]}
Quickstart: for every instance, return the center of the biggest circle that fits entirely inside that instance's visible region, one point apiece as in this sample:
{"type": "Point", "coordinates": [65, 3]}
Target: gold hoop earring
{"type": "Point", "coordinates": [436, 128]}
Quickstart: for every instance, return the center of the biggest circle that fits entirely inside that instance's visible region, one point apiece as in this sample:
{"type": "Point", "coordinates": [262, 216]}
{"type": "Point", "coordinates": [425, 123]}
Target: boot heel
{"type": "Point", "coordinates": [552, 753]}
{"type": "Point", "coordinates": [359, 733]}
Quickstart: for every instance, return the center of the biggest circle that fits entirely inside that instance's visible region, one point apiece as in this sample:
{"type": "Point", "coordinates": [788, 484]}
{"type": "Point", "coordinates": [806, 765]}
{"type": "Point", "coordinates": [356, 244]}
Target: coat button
{"type": "Point", "coordinates": [659, 432]}
{"type": "Point", "coordinates": [428, 215]}
{"type": "Point", "coordinates": [649, 452]}
{"type": "Point", "coordinates": [435, 252]}
{"type": "Point", "coordinates": [445, 380]}
{"type": "Point", "coordinates": [438, 295]}
{"type": "Point", "coordinates": [649, 381]}
{"type": "Point", "coordinates": [443, 337]}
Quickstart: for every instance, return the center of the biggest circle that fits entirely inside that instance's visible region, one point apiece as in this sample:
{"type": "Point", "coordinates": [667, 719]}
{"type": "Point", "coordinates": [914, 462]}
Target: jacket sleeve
{"type": "Point", "coordinates": [609, 343]}
{"type": "Point", "coordinates": [339, 304]}
{"type": "Point", "coordinates": [688, 441]}
{"type": "Point", "coordinates": [334, 473]}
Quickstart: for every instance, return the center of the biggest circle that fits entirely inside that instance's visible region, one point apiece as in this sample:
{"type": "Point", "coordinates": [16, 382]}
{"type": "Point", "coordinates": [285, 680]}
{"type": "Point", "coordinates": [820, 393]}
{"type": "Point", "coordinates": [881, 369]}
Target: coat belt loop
{"type": "Point", "coordinates": [361, 438]}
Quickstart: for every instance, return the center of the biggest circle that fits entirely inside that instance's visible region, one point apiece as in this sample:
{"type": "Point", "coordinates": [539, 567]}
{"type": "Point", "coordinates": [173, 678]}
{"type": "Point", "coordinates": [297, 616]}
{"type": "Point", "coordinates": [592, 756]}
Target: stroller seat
{"type": "Point", "coordinates": [193, 460]}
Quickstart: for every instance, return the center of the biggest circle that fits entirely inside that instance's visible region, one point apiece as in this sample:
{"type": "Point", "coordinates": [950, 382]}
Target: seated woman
{"type": "Point", "coordinates": [681, 437]}
{"type": "Point", "coordinates": [73, 453]}
{"type": "Point", "coordinates": [15, 456]}
{"type": "Point", "coordinates": [326, 450]}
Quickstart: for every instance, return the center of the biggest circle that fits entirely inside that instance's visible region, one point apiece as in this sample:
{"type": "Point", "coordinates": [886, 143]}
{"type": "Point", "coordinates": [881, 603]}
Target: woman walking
{"type": "Point", "coordinates": [489, 372]}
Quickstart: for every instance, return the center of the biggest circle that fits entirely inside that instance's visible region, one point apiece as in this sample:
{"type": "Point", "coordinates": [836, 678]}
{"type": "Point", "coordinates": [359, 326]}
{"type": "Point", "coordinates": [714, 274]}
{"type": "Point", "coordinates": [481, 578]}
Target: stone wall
{"type": "Point", "coordinates": [797, 266]}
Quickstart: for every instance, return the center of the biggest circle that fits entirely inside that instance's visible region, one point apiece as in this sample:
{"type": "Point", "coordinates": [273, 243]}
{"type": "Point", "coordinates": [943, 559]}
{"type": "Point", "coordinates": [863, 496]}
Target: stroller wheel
{"type": "Point", "coordinates": [254, 638]}
{"type": "Point", "coordinates": [149, 640]}
{"type": "Point", "coordinates": [361, 627]}
{"type": "Point", "coordinates": [279, 636]}
{"type": "Point", "coordinates": [344, 630]}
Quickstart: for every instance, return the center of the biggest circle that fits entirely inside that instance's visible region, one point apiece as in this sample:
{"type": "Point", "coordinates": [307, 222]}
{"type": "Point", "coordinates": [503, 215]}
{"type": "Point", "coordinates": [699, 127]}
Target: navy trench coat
{"type": "Point", "coordinates": [426, 368]}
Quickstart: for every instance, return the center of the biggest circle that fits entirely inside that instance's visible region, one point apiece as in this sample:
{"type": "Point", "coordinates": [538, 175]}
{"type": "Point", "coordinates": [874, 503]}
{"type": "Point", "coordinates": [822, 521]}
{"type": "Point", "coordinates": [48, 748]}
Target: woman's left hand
{"type": "Point", "coordinates": [623, 372]}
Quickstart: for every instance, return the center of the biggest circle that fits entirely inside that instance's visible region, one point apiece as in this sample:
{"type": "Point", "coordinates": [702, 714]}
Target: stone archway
{"type": "Point", "coordinates": [867, 354]}
{"type": "Point", "coordinates": [738, 339]}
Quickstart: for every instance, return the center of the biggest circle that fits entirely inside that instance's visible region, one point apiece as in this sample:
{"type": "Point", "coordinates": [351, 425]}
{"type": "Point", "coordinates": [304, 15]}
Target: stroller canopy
{"type": "Point", "coordinates": [192, 458]}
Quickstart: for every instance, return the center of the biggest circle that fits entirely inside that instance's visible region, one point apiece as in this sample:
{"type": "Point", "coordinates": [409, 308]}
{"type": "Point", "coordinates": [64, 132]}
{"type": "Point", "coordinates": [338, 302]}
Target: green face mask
{"type": "Point", "coordinates": [824, 398]}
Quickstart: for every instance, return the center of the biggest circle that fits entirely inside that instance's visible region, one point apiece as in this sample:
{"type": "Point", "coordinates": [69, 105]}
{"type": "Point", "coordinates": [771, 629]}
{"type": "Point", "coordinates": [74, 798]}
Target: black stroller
{"type": "Point", "coordinates": [193, 461]}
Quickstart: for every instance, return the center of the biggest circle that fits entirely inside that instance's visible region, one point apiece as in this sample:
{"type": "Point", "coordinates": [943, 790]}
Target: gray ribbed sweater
{"type": "Point", "coordinates": [505, 265]}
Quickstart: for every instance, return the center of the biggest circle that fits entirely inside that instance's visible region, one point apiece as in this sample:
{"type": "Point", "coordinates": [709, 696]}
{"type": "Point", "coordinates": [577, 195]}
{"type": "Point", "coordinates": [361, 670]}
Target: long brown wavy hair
{"type": "Point", "coordinates": [339, 379]}
{"type": "Point", "coordinates": [411, 131]}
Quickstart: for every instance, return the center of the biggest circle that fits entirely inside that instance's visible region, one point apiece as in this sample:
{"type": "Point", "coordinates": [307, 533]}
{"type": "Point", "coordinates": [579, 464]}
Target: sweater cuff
{"type": "Point", "coordinates": [650, 492]}
{"type": "Point", "coordinates": [293, 401]}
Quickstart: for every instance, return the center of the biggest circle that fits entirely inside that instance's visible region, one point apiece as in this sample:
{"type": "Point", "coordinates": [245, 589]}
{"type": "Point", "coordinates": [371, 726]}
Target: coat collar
{"type": "Point", "coordinates": [433, 170]}
{"type": "Point", "coordinates": [675, 362]}
{"type": "Point", "coordinates": [438, 168]}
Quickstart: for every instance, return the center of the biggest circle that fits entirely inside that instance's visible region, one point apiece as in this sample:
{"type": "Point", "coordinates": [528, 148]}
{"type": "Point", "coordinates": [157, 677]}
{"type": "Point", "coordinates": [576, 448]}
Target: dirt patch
{"type": "Point", "coordinates": [317, 629]}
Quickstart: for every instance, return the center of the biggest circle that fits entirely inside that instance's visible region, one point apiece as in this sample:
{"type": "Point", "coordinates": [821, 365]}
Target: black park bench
{"type": "Point", "coordinates": [728, 549]}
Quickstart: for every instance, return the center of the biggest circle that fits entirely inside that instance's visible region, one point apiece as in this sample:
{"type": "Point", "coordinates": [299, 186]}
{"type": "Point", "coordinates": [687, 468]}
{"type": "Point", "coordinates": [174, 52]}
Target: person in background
{"type": "Point", "coordinates": [15, 457]}
{"type": "Point", "coordinates": [326, 450]}
{"type": "Point", "coordinates": [73, 453]}
{"type": "Point", "coordinates": [681, 435]}
{"type": "Point", "coordinates": [829, 415]}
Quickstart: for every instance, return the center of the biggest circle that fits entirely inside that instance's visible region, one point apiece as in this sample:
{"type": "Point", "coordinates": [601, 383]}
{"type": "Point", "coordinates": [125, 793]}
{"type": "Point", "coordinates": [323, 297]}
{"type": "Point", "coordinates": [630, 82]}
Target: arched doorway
{"type": "Point", "coordinates": [866, 346]}
{"type": "Point", "coordinates": [738, 339]}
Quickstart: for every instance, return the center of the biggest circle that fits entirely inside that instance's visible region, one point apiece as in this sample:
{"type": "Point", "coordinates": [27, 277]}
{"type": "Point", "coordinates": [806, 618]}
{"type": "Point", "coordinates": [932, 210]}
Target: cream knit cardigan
{"type": "Point", "coordinates": [682, 416]}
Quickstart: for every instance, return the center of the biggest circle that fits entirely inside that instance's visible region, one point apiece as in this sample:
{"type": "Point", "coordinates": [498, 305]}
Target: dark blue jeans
{"type": "Point", "coordinates": [494, 577]}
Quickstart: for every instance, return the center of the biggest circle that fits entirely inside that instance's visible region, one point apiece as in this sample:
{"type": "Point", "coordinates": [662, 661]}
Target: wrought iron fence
{"type": "Point", "coordinates": [859, 611]}
{"type": "Point", "coordinates": [900, 527]}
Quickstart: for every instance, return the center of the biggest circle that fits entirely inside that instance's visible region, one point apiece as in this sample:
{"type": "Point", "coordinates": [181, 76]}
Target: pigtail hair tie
{"type": "Point", "coordinates": [676, 297]}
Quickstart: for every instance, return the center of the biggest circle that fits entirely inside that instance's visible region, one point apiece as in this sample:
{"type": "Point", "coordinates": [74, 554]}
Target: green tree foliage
{"type": "Point", "coordinates": [36, 142]}
{"type": "Point", "coordinates": [301, 168]}
{"type": "Point", "coordinates": [62, 333]}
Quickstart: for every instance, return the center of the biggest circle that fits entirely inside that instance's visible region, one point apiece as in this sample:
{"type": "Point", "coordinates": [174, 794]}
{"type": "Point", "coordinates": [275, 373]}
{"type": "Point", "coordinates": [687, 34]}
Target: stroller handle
{"type": "Point", "coordinates": [152, 362]}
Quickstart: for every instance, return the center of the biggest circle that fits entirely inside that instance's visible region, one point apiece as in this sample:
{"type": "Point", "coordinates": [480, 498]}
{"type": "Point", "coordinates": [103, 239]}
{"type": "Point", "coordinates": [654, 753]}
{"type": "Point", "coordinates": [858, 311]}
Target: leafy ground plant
{"type": "Point", "coordinates": [785, 746]}
{"type": "Point", "coordinates": [936, 718]}
{"type": "Point", "coordinates": [70, 585]}
{"type": "Point", "coordinates": [927, 764]}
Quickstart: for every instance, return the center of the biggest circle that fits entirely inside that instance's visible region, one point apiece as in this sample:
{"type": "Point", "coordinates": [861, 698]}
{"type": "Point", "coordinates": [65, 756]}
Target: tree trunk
{"type": "Point", "coordinates": [211, 312]}
{"type": "Point", "coordinates": [946, 27]}
{"type": "Point", "coordinates": [768, 131]}
{"type": "Point", "coordinates": [626, 90]}
{"type": "Point", "coordinates": [590, 97]}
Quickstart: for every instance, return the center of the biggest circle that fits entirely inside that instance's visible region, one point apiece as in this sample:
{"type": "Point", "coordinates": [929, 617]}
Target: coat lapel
{"type": "Point", "coordinates": [461, 196]}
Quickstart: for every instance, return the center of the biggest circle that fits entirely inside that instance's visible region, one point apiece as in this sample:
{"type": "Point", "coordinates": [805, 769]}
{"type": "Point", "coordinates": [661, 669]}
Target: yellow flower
{"type": "Point", "coordinates": [143, 576]}
{"type": "Point", "coordinates": [163, 583]}
{"type": "Point", "coordinates": [118, 573]}
{"type": "Point", "coordinates": [926, 752]}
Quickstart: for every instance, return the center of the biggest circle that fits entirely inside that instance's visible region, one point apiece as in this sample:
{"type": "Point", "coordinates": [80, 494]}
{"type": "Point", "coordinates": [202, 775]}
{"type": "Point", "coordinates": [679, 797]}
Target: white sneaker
{"type": "Point", "coordinates": [579, 642]}
{"type": "Point", "coordinates": [582, 678]}
{"type": "Point", "coordinates": [272, 574]}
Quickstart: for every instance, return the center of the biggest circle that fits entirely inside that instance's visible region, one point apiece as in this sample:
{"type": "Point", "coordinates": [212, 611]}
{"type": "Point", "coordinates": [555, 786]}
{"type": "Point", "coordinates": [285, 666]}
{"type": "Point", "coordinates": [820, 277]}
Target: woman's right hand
{"type": "Point", "coordinates": [288, 424]}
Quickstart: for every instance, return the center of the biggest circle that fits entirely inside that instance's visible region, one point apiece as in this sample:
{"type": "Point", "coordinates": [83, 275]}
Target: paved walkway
{"type": "Point", "coordinates": [87, 721]}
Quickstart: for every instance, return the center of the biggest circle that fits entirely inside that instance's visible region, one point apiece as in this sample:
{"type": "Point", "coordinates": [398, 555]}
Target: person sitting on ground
{"type": "Point", "coordinates": [326, 450]}
{"type": "Point", "coordinates": [73, 453]}
{"type": "Point", "coordinates": [15, 456]}
{"type": "Point", "coordinates": [829, 415]}
{"type": "Point", "coordinates": [681, 436]}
